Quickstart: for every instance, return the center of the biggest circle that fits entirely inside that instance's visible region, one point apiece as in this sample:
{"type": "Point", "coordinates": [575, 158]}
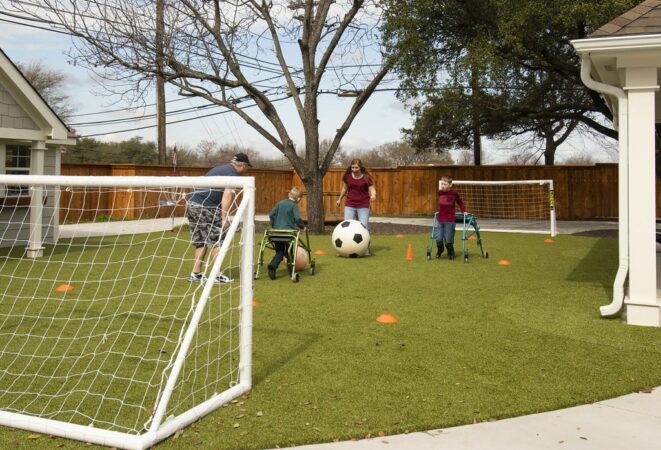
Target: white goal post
{"type": "Point", "coordinates": [525, 206]}
{"type": "Point", "coordinates": [103, 337]}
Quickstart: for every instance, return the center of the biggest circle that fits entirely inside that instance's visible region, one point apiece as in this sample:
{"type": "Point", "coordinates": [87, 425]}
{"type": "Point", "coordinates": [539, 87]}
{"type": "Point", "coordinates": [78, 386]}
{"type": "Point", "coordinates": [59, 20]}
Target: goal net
{"type": "Point", "coordinates": [519, 206]}
{"type": "Point", "coordinates": [103, 338]}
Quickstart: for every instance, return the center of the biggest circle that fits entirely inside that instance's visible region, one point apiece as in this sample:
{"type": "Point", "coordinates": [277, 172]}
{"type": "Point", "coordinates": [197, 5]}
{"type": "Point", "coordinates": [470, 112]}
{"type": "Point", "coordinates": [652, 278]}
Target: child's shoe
{"type": "Point", "coordinates": [450, 252]}
{"type": "Point", "coordinates": [222, 279]}
{"type": "Point", "coordinates": [271, 272]}
{"type": "Point", "coordinates": [439, 251]}
{"type": "Point", "coordinates": [197, 276]}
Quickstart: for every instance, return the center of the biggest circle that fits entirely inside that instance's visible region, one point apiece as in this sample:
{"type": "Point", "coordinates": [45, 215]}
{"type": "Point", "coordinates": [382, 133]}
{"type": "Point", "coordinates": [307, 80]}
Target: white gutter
{"type": "Point", "coordinates": [621, 123]}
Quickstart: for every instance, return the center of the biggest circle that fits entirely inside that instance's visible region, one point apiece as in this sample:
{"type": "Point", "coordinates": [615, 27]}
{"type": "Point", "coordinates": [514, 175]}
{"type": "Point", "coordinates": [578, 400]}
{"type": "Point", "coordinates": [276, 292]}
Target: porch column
{"type": "Point", "coordinates": [35, 248]}
{"type": "Point", "coordinates": [642, 305]}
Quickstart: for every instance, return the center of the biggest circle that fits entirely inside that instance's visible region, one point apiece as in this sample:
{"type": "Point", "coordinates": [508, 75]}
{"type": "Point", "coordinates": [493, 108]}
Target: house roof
{"type": "Point", "coordinates": [642, 19]}
{"type": "Point", "coordinates": [50, 126]}
{"type": "Point", "coordinates": [35, 90]}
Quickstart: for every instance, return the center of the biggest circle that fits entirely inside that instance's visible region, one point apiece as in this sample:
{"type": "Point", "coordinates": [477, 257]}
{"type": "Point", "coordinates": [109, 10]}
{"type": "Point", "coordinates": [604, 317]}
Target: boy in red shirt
{"type": "Point", "coordinates": [447, 198]}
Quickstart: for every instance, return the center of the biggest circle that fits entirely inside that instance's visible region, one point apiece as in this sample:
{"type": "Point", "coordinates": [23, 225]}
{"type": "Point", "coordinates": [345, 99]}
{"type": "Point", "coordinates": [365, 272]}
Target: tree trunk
{"type": "Point", "coordinates": [477, 133]}
{"type": "Point", "coordinates": [477, 145]}
{"type": "Point", "coordinates": [314, 187]}
{"type": "Point", "coordinates": [549, 153]}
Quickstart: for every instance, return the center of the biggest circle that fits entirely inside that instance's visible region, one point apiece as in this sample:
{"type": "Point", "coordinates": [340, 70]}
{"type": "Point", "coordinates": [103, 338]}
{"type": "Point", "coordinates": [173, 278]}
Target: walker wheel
{"type": "Point", "coordinates": [295, 278]}
{"type": "Point", "coordinates": [486, 254]}
{"type": "Point", "coordinates": [428, 256]}
{"type": "Point", "coordinates": [312, 270]}
{"type": "Point", "coordinates": [465, 259]}
{"type": "Point", "coordinates": [255, 276]}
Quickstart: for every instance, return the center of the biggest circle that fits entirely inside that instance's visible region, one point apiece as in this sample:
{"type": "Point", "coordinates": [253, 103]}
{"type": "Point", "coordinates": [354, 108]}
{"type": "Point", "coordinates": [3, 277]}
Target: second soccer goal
{"type": "Point", "coordinates": [524, 206]}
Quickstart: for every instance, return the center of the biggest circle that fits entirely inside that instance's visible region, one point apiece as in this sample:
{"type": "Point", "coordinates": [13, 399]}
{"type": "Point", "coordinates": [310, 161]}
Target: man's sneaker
{"type": "Point", "coordinates": [223, 279]}
{"type": "Point", "coordinates": [271, 273]}
{"type": "Point", "coordinates": [197, 277]}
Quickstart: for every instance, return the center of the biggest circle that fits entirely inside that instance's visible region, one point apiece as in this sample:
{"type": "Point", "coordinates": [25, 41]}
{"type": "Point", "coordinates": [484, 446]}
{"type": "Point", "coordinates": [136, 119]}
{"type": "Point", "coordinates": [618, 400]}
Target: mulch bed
{"type": "Point", "coordinates": [598, 233]}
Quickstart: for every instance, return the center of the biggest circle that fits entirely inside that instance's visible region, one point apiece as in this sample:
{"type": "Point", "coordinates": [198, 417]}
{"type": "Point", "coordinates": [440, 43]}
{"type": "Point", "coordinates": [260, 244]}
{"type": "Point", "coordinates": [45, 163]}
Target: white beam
{"type": "Point", "coordinates": [35, 248]}
{"type": "Point", "coordinates": [642, 305]}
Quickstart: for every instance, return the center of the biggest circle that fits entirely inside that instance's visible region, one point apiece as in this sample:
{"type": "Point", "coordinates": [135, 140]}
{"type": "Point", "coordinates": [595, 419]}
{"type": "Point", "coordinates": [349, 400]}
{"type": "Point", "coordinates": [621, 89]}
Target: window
{"type": "Point", "coordinates": [17, 162]}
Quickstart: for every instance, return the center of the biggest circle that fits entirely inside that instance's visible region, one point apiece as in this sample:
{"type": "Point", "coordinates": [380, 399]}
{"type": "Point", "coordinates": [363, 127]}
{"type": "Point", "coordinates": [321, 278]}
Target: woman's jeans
{"type": "Point", "coordinates": [363, 214]}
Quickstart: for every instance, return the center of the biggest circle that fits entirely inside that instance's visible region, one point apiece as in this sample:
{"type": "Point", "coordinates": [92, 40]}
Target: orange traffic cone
{"type": "Point", "coordinates": [64, 288]}
{"type": "Point", "coordinates": [409, 252]}
{"type": "Point", "coordinates": [387, 318]}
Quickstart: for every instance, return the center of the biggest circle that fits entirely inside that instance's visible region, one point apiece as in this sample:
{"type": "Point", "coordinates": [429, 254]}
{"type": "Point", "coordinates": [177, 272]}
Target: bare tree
{"type": "Point", "coordinates": [579, 159]}
{"type": "Point", "coordinates": [206, 149]}
{"type": "Point", "coordinates": [243, 55]}
{"type": "Point", "coordinates": [50, 85]}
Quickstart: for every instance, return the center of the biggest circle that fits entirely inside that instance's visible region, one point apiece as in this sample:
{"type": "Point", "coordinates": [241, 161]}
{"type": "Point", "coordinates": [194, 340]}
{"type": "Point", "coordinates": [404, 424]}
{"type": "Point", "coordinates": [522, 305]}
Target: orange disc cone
{"type": "Point", "coordinates": [504, 262]}
{"type": "Point", "coordinates": [255, 304]}
{"type": "Point", "coordinates": [472, 238]}
{"type": "Point", "coordinates": [387, 318]}
{"type": "Point", "coordinates": [548, 241]}
{"type": "Point", "coordinates": [409, 252]}
{"type": "Point", "coordinates": [64, 288]}
{"type": "Point", "coordinates": [320, 252]}
{"type": "Point", "coordinates": [399, 236]}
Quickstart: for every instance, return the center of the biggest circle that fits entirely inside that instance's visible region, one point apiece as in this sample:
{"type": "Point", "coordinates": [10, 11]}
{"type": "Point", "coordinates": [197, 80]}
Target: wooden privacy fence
{"type": "Point", "coordinates": [581, 192]}
{"type": "Point", "coordinates": [271, 186]}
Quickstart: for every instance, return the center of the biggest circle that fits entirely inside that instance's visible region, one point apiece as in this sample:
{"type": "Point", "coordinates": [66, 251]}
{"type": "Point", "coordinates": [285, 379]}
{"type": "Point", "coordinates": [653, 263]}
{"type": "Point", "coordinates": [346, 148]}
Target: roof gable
{"type": "Point", "coordinates": [642, 19]}
{"type": "Point", "coordinates": [31, 104]}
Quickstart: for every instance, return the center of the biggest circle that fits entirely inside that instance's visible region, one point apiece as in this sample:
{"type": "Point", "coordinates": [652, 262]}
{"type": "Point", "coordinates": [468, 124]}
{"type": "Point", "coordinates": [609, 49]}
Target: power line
{"type": "Point", "coordinates": [177, 121]}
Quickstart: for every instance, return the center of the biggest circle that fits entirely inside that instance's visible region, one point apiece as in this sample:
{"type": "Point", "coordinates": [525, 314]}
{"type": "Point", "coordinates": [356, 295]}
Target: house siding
{"type": "Point", "coordinates": [12, 115]}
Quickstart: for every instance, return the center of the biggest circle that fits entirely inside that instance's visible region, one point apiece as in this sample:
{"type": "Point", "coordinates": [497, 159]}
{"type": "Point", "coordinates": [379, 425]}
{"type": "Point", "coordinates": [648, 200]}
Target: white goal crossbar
{"type": "Point", "coordinates": [207, 314]}
{"type": "Point", "coordinates": [525, 206]}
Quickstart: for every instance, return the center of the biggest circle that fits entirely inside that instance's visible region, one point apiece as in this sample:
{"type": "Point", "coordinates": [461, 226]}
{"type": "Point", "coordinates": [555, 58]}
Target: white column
{"type": "Point", "coordinates": [35, 248]}
{"type": "Point", "coordinates": [642, 305]}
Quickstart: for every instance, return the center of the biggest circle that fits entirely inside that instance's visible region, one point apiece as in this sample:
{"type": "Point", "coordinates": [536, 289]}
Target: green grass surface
{"type": "Point", "coordinates": [475, 341]}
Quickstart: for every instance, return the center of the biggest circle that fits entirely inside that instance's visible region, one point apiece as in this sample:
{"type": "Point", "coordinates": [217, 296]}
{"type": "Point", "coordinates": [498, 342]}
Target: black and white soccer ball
{"type": "Point", "coordinates": [351, 238]}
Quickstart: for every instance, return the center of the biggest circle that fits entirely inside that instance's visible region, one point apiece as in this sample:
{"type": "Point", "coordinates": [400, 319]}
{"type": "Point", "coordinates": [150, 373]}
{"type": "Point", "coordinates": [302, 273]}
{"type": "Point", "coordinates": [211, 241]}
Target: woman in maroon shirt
{"type": "Point", "coordinates": [359, 189]}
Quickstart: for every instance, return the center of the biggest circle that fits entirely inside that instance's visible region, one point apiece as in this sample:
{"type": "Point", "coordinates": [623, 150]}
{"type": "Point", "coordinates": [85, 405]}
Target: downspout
{"type": "Point", "coordinates": [621, 123]}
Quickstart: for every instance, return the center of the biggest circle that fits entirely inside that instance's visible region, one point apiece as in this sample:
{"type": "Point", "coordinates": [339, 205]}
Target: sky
{"type": "Point", "coordinates": [379, 122]}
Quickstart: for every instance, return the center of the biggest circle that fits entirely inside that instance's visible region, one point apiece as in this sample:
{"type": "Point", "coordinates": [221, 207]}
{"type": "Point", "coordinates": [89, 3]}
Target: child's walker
{"type": "Point", "coordinates": [293, 240]}
{"type": "Point", "coordinates": [467, 221]}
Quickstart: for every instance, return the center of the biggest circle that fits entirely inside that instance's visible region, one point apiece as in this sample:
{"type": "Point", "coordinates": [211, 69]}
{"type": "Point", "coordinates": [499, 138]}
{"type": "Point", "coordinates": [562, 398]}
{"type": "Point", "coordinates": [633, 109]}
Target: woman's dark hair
{"type": "Point", "coordinates": [363, 169]}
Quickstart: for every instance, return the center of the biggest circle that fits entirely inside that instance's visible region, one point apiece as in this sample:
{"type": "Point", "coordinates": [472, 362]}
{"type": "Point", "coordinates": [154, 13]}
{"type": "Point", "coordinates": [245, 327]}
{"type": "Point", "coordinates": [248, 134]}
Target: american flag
{"type": "Point", "coordinates": [174, 156]}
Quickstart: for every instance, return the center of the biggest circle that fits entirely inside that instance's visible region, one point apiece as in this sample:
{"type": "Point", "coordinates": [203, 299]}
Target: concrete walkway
{"type": "Point", "coordinates": [563, 226]}
{"type": "Point", "coordinates": [624, 423]}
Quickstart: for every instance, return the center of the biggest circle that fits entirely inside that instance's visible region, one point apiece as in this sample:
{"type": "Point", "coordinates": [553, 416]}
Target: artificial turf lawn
{"type": "Point", "coordinates": [475, 341]}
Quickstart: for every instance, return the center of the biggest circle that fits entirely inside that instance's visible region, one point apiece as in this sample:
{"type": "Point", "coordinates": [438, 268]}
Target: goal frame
{"type": "Point", "coordinates": [160, 427]}
{"type": "Point", "coordinates": [551, 195]}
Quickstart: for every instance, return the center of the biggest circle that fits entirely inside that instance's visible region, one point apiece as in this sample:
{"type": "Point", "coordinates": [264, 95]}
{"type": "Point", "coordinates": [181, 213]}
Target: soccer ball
{"type": "Point", "coordinates": [301, 259]}
{"type": "Point", "coordinates": [351, 238]}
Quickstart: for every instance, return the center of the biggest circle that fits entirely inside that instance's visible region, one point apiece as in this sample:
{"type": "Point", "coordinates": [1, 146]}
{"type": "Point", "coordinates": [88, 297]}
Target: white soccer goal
{"type": "Point", "coordinates": [524, 206]}
{"type": "Point", "coordinates": [102, 337]}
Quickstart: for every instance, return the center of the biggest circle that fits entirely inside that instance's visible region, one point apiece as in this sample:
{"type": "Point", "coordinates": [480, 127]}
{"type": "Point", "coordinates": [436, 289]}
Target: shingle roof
{"type": "Point", "coordinates": [642, 19]}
